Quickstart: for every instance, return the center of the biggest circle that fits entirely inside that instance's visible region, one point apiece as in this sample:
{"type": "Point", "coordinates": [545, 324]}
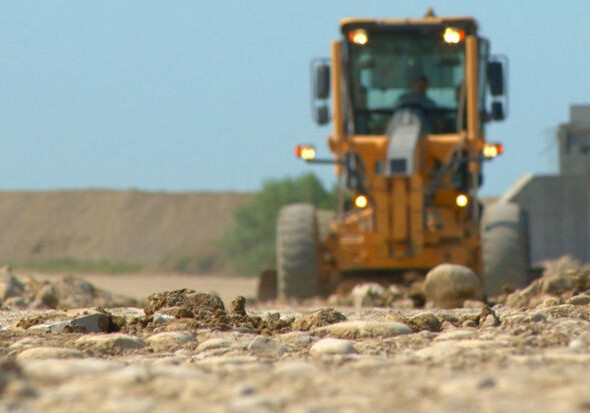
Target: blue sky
{"type": "Point", "coordinates": [191, 95]}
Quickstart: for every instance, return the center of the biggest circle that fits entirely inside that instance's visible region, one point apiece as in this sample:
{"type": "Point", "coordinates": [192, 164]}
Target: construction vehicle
{"type": "Point", "coordinates": [410, 99]}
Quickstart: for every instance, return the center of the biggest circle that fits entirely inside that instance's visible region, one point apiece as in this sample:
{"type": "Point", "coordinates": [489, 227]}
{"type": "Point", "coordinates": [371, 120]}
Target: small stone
{"type": "Point", "coordinates": [448, 326]}
{"type": "Point", "coordinates": [92, 323]}
{"type": "Point", "coordinates": [213, 343]}
{"type": "Point", "coordinates": [332, 346]}
{"type": "Point", "coordinates": [170, 341]}
{"type": "Point", "coordinates": [538, 318]}
{"type": "Point", "coordinates": [474, 304]}
{"type": "Point", "coordinates": [10, 286]}
{"type": "Point", "coordinates": [581, 299]}
{"type": "Point", "coordinates": [15, 302]}
{"type": "Point", "coordinates": [550, 302]}
{"type": "Point", "coordinates": [48, 296]}
{"type": "Point", "coordinates": [362, 329]}
{"type": "Point", "coordinates": [577, 345]}
{"type": "Point", "coordinates": [487, 383]}
{"type": "Point", "coordinates": [368, 295]}
{"type": "Point", "coordinates": [449, 285]}
{"type": "Point", "coordinates": [394, 292]}
{"type": "Point", "coordinates": [26, 342]}
{"type": "Point", "coordinates": [296, 338]}
{"type": "Point", "coordinates": [425, 321]}
{"type": "Point", "coordinates": [111, 341]}
{"type": "Point", "coordinates": [238, 306]}
{"type": "Point", "coordinates": [265, 347]}
{"type": "Point", "coordinates": [490, 321]}
{"type": "Point", "coordinates": [488, 317]}
{"type": "Point", "coordinates": [318, 318]}
{"type": "Point", "coordinates": [159, 318]}
{"type": "Point", "coordinates": [38, 353]}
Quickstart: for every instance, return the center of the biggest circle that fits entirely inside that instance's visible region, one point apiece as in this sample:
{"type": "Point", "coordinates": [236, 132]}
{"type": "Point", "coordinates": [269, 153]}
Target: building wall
{"type": "Point", "coordinates": [558, 209]}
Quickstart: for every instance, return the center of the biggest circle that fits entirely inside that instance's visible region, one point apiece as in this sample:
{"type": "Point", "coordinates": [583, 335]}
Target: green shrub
{"type": "Point", "coordinates": [71, 265]}
{"type": "Point", "coordinates": [249, 245]}
{"type": "Point", "coordinates": [202, 264]}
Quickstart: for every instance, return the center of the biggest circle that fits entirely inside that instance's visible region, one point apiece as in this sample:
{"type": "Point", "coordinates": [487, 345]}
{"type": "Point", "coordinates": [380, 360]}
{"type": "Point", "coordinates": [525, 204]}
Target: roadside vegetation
{"type": "Point", "coordinates": [249, 244]}
{"type": "Point", "coordinates": [68, 265]}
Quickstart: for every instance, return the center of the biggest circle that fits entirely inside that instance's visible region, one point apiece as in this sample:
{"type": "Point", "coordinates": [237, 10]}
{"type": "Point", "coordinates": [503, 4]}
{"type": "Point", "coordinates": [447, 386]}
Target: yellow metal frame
{"type": "Point", "coordinates": [397, 231]}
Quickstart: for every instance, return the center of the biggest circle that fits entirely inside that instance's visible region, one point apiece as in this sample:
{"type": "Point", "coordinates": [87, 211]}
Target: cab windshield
{"type": "Point", "coordinates": [411, 68]}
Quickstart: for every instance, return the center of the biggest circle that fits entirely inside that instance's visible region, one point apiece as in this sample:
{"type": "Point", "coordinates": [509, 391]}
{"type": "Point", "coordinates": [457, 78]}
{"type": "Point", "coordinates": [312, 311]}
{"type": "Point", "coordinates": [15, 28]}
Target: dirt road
{"type": "Point", "coordinates": [139, 286]}
{"type": "Point", "coordinates": [186, 352]}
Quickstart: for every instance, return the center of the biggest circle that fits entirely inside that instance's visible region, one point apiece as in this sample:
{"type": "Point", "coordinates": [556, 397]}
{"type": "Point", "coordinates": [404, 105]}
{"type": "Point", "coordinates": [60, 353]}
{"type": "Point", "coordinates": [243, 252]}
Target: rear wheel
{"type": "Point", "coordinates": [297, 252]}
{"type": "Point", "coordinates": [504, 238]}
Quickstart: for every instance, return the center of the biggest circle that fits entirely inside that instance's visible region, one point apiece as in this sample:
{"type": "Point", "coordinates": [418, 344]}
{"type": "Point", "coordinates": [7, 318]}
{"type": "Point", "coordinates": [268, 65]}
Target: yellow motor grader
{"type": "Point", "coordinates": [410, 99]}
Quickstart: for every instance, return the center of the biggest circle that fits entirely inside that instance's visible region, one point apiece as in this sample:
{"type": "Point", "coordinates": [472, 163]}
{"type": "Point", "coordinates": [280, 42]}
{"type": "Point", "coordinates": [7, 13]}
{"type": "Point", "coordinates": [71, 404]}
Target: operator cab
{"type": "Point", "coordinates": [389, 66]}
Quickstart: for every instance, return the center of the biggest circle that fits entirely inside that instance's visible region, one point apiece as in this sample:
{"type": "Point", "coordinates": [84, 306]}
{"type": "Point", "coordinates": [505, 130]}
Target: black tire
{"type": "Point", "coordinates": [297, 252]}
{"type": "Point", "coordinates": [505, 249]}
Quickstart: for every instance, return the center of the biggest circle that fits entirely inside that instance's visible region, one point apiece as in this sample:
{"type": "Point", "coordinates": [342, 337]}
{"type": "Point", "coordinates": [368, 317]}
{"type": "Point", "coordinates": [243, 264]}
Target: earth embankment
{"type": "Point", "coordinates": [118, 226]}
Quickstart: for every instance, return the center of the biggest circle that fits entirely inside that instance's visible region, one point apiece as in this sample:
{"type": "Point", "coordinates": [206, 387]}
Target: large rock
{"type": "Point", "coordinates": [110, 341]}
{"type": "Point", "coordinates": [332, 346]}
{"type": "Point", "coordinates": [90, 323]}
{"type": "Point", "coordinates": [363, 329]}
{"type": "Point", "coordinates": [449, 285]}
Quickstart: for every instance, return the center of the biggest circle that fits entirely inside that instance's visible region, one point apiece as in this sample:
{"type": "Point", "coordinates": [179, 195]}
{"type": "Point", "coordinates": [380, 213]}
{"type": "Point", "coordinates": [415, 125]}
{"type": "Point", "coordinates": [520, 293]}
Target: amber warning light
{"type": "Point", "coordinates": [453, 35]}
{"type": "Point", "coordinates": [305, 152]}
{"type": "Point", "coordinates": [491, 150]}
{"type": "Point", "coordinates": [358, 36]}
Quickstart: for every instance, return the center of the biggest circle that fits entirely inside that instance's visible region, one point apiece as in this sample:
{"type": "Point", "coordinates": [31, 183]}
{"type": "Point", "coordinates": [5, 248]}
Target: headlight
{"type": "Point", "coordinates": [358, 36]}
{"type": "Point", "coordinates": [305, 152]}
{"type": "Point", "coordinates": [453, 35]}
{"type": "Point", "coordinates": [462, 200]}
{"type": "Point", "coordinates": [361, 201]}
{"type": "Point", "coordinates": [491, 150]}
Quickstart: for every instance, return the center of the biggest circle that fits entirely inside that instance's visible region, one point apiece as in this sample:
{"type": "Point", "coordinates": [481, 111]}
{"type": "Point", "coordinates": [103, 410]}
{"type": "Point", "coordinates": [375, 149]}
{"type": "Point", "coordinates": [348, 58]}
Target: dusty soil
{"type": "Point", "coordinates": [139, 286]}
{"type": "Point", "coordinates": [119, 226]}
{"type": "Point", "coordinates": [185, 350]}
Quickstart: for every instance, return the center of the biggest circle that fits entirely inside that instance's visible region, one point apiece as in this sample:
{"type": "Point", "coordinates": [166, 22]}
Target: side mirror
{"type": "Point", "coordinates": [321, 115]}
{"type": "Point", "coordinates": [498, 111]}
{"type": "Point", "coordinates": [322, 81]}
{"type": "Point", "coordinates": [496, 78]}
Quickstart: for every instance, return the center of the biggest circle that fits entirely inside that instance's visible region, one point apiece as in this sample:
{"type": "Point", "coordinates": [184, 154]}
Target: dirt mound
{"type": "Point", "coordinates": [65, 293]}
{"type": "Point", "coordinates": [565, 280]}
{"type": "Point", "coordinates": [318, 318]}
{"type": "Point", "coordinates": [118, 226]}
{"type": "Point", "coordinates": [196, 309]}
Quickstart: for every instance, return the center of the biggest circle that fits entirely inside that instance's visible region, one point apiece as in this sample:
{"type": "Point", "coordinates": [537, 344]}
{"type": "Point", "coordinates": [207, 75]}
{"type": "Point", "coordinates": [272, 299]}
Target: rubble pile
{"type": "Point", "coordinates": [564, 281]}
{"type": "Point", "coordinates": [66, 293]}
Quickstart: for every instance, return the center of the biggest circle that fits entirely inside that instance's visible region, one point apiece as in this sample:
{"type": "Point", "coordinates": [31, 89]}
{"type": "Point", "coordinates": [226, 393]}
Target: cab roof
{"type": "Point", "coordinates": [465, 22]}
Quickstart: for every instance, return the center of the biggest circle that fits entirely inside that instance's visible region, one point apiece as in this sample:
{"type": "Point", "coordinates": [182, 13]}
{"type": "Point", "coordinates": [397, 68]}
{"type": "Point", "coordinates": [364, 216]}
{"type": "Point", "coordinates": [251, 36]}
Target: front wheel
{"type": "Point", "coordinates": [297, 252]}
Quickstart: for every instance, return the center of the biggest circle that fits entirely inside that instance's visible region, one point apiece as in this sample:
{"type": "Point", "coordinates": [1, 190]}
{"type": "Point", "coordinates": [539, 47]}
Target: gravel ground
{"type": "Point", "coordinates": [187, 351]}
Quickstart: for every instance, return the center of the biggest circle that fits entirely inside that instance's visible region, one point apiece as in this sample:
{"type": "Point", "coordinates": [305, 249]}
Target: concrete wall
{"type": "Point", "coordinates": [574, 142]}
{"type": "Point", "coordinates": [558, 209]}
